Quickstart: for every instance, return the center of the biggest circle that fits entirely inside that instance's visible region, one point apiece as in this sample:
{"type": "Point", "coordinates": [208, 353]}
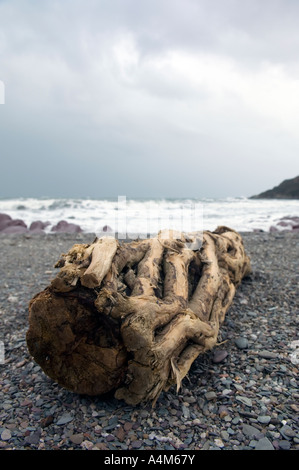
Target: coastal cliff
{"type": "Point", "coordinates": [288, 189]}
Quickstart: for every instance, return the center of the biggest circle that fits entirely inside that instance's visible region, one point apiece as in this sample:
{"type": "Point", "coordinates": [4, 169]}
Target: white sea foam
{"type": "Point", "coordinates": [148, 216]}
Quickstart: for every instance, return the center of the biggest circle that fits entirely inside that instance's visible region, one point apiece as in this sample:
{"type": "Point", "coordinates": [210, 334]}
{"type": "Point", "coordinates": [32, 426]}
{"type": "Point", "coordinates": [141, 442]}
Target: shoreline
{"type": "Point", "coordinates": [246, 400]}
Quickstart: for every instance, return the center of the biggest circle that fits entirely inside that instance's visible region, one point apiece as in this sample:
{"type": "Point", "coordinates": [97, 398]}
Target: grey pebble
{"type": "Point", "coordinates": [137, 444]}
{"type": "Point", "coordinates": [284, 444]}
{"type": "Point", "coordinates": [76, 438]}
{"type": "Point", "coordinates": [245, 400]}
{"type": "Point", "coordinates": [225, 435]}
{"type": "Point", "coordinates": [287, 432]}
{"type": "Point", "coordinates": [5, 435]}
{"type": "Point", "coordinates": [249, 430]}
{"type": "Point", "coordinates": [264, 419]}
{"type": "Point", "coordinates": [210, 395]}
{"type": "Point", "coordinates": [33, 438]}
{"type": "Point", "coordinates": [264, 444]}
{"type": "Point", "coordinates": [241, 342]}
{"type": "Point", "coordinates": [186, 411]}
{"type": "Point", "coordinates": [219, 355]}
{"type": "Point", "coordinates": [267, 354]}
{"type": "Point", "coordinates": [64, 419]}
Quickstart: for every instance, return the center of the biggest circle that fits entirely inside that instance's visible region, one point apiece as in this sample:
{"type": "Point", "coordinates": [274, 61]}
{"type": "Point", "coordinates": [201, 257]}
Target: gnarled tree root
{"type": "Point", "coordinates": [132, 317]}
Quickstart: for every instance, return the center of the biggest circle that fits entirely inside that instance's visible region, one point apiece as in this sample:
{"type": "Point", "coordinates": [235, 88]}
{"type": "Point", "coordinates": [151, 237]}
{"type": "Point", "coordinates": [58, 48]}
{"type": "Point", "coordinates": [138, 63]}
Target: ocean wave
{"type": "Point", "coordinates": [240, 213]}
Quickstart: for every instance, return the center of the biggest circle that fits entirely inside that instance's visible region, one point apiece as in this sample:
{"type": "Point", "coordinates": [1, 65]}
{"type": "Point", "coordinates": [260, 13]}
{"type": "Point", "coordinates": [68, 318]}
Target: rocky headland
{"type": "Point", "coordinates": [288, 189]}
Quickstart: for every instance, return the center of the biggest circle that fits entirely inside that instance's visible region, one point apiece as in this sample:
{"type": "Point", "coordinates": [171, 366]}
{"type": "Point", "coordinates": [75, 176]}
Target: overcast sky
{"type": "Point", "coordinates": [148, 98]}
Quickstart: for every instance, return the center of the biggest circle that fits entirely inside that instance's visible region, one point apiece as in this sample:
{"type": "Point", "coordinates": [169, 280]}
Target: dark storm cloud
{"type": "Point", "coordinates": [126, 96]}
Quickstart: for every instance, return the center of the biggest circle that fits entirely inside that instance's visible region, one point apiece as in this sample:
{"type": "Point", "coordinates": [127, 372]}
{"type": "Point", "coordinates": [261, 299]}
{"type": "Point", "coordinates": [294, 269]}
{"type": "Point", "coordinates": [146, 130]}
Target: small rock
{"type": "Point", "coordinates": [128, 426]}
{"type": "Point", "coordinates": [225, 435]}
{"type": "Point", "coordinates": [100, 446]}
{"type": "Point", "coordinates": [267, 354]}
{"type": "Point", "coordinates": [219, 442]}
{"type": "Point", "coordinates": [47, 421]}
{"type": "Point", "coordinates": [106, 228]}
{"type": "Point", "coordinates": [284, 444]}
{"type": "Point", "coordinates": [64, 226]}
{"type": "Point", "coordinates": [120, 434]}
{"type": "Point", "coordinates": [223, 411]}
{"type": "Point", "coordinates": [136, 444]}
{"type": "Point", "coordinates": [77, 438]}
{"type": "Point", "coordinates": [241, 343]}
{"type": "Point", "coordinates": [250, 313]}
{"type": "Point", "coordinates": [38, 225]}
{"type": "Point", "coordinates": [210, 395]}
{"type": "Point", "coordinates": [5, 435]}
{"type": "Point", "coordinates": [87, 445]}
{"type": "Point", "coordinates": [5, 219]}
{"type": "Point", "coordinates": [219, 355]}
{"type": "Point", "coordinates": [33, 438]}
{"type": "Point", "coordinates": [186, 412]}
{"type": "Point", "coordinates": [264, 419]}
{"type": "Point", "coordinates": [264, 444]}
{"type": "Point", "coordinates": [245, 400]}
{"type": "Point", "coordinates": [287, 432]}
{"type": "Point", "coordinates": [15, 229]}
{"type": "Point", "coordinates": [67, 418]}
{"type": "Point", "coordinates": [249, 430]}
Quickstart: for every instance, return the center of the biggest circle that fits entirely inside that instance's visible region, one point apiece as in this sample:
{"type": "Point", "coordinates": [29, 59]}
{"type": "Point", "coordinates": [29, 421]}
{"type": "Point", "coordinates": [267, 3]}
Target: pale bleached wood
{"type": "Point", "coordinates": [133, 317]}
{"type": "Point", "coordinates": [101, 259]}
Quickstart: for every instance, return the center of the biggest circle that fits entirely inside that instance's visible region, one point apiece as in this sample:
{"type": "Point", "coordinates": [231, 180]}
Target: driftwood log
{"type": "Point", "coordinates": [132, 317]}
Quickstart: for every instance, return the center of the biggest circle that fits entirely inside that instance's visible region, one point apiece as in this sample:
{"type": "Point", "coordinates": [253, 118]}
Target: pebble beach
{"type": "Point", "coordinates": [242, 395]}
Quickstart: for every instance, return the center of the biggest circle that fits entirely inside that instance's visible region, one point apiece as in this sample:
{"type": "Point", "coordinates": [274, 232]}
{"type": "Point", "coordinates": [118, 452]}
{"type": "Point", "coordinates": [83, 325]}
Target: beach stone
{"type": "Point", "coordinates": [47, 421]}
{"type": "Point", "coordinates": [4, 220]}
{"type": "Point", "coordinates": [264, 419]}
{"type": "Point", "coordinates": [210, 395]}
{"type": "Point", "coordinates": [33, 438]}
{"type": "Point", "coordinates": [87, 445]}
{"type": "Point", "coordinates": [264, 444]}
{"type": "Point", "coordinates": [38, 225]}
{"type": "Point", "coordinates": [219, 442]}
{"type": "Point", "coordinates": [284, 444]}
{"type": "Point", "coordinates": [225, 435]}
{"type": "Point", "coordinates": [219, 355]}
{"type": "Point", "coordinates": [186, 412]}
{"type": "Point", "coordinates": [6, 435]}
{"type": "Point", "coordinates": [66, 227]}
{"type": "Point", "coordinates": [287, 432]}
{"type": "Point", "coordinates": [250, 431]}
{"type": "Point", "coordinates": [14, 229]}
{"type": "Point", "coordinates": [77, 438]}
{"type": "Point", "coordinates": [120, 434]}
{"type": "Point", "coordinates": [245, 400]}
{"type": "Point", "coordinates": [106, 228]}
{"type": "Point", "coordinates": [267, 354]}
{"type": "Point", "coordinates": [136, 444]}
{"type": "Point", "coordinates": [241, 342]}
{"type": "Point", "coordinates": [64, 419]}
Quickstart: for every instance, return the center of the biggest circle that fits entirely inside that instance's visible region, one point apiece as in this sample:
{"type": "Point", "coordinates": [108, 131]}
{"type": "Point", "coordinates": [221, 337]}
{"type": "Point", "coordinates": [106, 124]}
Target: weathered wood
{"type": "Point", "coordinates": [132, 317]}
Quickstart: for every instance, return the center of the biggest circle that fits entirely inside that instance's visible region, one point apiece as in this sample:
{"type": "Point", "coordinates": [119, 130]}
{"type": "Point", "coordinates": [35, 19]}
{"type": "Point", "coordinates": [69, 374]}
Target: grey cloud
{"type": "Point", "coordinates": [132, 97]}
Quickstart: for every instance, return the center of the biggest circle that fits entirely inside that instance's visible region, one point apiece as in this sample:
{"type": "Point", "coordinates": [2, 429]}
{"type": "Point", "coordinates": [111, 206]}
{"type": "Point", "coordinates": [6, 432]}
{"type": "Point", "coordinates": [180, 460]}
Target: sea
{"type": "Point", "coordinates": [143, 217]}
